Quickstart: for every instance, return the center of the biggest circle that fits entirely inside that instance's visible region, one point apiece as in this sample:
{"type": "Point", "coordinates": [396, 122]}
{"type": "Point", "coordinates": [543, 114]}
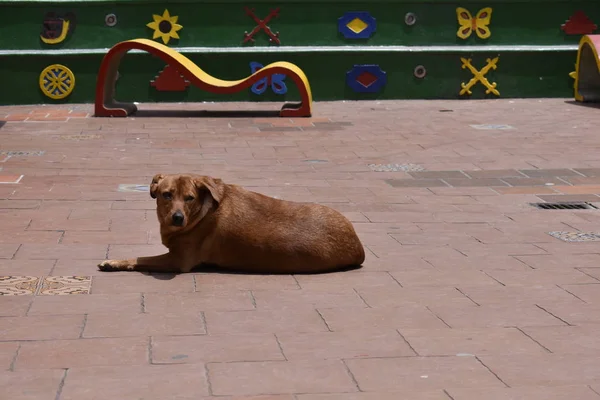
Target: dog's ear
{"type": "Point", "coordinates": [154, 185]}
{"type": "Point", "coordinates": [212, 185]}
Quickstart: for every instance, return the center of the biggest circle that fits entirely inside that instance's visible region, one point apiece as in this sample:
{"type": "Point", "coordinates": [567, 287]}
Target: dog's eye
{"type": "Point", "coordinates": [189, 198]}
{"type": "Point", "coordinates": [167, 196]}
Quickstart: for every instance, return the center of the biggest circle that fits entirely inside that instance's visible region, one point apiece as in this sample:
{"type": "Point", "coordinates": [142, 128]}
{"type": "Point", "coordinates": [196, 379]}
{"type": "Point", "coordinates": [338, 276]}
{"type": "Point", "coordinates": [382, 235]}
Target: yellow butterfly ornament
{"type": "Point", "coordinates": [479, 23]}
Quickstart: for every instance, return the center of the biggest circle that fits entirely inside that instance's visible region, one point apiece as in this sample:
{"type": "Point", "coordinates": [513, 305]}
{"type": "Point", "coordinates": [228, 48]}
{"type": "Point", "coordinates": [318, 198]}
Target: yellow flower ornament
{"type": "Point", "coordinates": [165, 26]}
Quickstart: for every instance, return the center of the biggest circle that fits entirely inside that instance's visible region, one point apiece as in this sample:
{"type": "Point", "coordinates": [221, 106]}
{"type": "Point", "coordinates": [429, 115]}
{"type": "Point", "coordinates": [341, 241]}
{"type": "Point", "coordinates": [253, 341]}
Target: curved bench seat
{"type": "Point", "coordinates": [587, 70]}
{"type": "Point", "coordinates": [107, 106]}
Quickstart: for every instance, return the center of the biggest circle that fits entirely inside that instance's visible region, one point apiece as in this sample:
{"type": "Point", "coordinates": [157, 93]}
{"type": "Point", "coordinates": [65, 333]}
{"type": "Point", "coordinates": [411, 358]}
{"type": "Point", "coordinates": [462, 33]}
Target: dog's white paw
{"type": "Point", "coordinates": [114, 265]}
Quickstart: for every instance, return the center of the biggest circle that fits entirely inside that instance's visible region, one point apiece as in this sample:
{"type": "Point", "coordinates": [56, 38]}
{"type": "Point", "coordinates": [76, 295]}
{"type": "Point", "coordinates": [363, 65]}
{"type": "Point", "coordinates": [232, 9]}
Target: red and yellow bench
{"type": "Point", "coordinates": [107, 106]}
{"type": "Point", "coordinates": [587, 70]}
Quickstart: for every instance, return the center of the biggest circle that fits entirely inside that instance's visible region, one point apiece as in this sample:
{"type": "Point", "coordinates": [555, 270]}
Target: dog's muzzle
{"type": "Point", "coordinates": [178, 218]}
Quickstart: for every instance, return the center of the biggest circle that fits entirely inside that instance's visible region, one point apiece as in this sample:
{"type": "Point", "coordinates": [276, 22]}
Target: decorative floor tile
{"type": "Point", "coordinates": [492, 126]}
{"type": "Point", "coordinates": [395, 167]}
{"type": "Point", "coordinates": [316, 161]}
{"type": "Point", "coordinates": [133, 187]}
{"type": "Point", "coordinates": [18, 285]}
{"type": "Point", "coordinates": [10, 179]}
{"type": "Point", "coordinates": [15, 153]}
{"type": "Point", "coordinates": [63, 285]}
{"type": "Point", "coordinates": [80, 137]}
{"type": "Point", "coordinates": [576, 236]}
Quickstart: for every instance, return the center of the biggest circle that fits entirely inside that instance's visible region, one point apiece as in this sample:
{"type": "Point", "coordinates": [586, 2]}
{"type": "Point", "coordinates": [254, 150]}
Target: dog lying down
{"type": "Point", "coordinates": [206, 221]}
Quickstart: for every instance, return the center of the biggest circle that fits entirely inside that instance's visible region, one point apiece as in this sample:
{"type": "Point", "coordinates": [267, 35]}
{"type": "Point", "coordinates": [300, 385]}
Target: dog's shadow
{"type": "Point", "coordinates": [214, 269]}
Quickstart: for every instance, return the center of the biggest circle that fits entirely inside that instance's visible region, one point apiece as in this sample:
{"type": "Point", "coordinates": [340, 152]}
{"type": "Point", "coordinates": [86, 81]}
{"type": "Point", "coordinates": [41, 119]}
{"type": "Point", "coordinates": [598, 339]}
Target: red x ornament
{"type": "Point", "coordinates": [262, 25]}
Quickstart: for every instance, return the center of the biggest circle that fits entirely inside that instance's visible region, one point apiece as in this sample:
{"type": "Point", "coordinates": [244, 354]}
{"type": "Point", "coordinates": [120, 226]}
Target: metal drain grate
{"type": "Point", "coordinates": [565, 206]}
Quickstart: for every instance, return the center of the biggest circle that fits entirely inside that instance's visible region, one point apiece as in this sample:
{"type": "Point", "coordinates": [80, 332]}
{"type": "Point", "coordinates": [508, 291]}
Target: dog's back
{"type": "Point", "coordinates": [254, 232]}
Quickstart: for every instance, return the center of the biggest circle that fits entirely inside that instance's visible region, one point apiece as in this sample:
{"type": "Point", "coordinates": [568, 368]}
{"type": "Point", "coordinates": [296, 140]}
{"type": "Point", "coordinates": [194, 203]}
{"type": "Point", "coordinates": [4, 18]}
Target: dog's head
{"type": "Point", "coordinates": [184, 199]}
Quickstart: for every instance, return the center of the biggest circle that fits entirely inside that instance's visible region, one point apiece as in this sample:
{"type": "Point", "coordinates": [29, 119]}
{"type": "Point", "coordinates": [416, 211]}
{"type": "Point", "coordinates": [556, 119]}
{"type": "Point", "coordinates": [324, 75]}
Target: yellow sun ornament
{"type": "Point", "coordinates": [165, 26]}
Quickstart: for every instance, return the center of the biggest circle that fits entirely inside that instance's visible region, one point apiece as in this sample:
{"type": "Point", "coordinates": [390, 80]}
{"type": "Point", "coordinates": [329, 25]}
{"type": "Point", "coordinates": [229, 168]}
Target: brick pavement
{"type": "Point", "coordinates": [464, 293]}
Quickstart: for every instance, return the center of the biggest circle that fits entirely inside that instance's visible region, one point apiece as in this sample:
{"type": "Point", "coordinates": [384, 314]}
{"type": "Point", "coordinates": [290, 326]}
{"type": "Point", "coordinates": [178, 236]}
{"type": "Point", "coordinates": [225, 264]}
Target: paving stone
{"type": "Point", "coordinates": [217, 281]}
{"type": "Point", "coordinates": [575, 313]}
{"type": "Point", "coordinates": [579, 392]}
{"type": "Point", "coordinates": [286, 299]}
{"type": "Point", "coordinates": [544, 370]}
{"type": "Point", "coordinates": [420, 373]}
{"type": "Point", "coordinates": [14, 306]}
{"type": "Point", "coordinates": [548, 173]}
{"type": "Point", "coordinates": [279, 377]}
{"type": "Point", "coordinates": [402, 316]}
{"type": "Point", "coordinates": [205, 300]}
{"type": "Point", "coordinates": [52, 252]}
{"type": "Point", "coordinates": [8, 352]}
{"type": "Point", "coordinates": [124, 324]}
{"type": "Point", "coordinates": [8, 250]}
{"type": "Point", "coordinates": [53, 354]}
{"type": "Point", "coordinates": [41, 327]}
{"type": "Point", "coordinates": [215, 348]}
{"type": "Point", "coordinates": [342, 281]}
{"type": "Point", "coordinates": [470, 341]}
{"type": "Point", "coordinates": [428, 395]}
{"type": "Point", "coordinates": [264, 321]}
{"type": "Point", "coordinates": [125, 382]}
{"type": "Point", "coordinates": [489, 174]}
{"type": "Point", "coordinates": [567, 339]}
{"type": "Point", "coordinates": [587, 293]}
{"type": "Point", "coordinates": [422, 295]}
{"type": "Point", "coordinates": [494, 316]}
{"type": "Point", "coordinates": [86, 304]}
{"type": "Point", "coordinates": [138, 283]}
{"type": "Point", "coordinates": [343, 345]}
{"type": "Point", "coordinates": [542, 276]}
{"type": "Point", "coordinates": [29, 384]}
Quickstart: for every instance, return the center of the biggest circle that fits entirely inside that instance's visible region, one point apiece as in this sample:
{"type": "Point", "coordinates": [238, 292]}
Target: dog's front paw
{"type": "Point", "coordinates": [115, 265]}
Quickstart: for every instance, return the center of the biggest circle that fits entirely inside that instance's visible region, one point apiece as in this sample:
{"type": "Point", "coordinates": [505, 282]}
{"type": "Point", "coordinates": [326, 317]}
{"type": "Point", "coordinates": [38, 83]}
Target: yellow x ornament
{"type": "Point", "coordinates": [479, 76]}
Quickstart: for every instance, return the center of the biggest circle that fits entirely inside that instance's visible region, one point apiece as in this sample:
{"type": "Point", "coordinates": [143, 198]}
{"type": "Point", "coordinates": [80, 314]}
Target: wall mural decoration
{"type": "Point", "coordinates": [169, 80]}
{"type": "Point", "coordinates": [57, 81]}
{"type": "Point", "coordinates": [478, 24]}
{"type": "Point", "coordinates": [165, 26]}
{"type": "Point", "coordinates": [579, 24]}
{"type": "Point", "coordinates": [261, 24]}
{"type": "Point", "coordinates": [368, 78]}
{"type": "Point", "coordinates": [110, 20]}
{"type": "Point", "coordinates": [275, 80]}
{"type": "Point", "coordinates": [420, 72]}
{"type": "Point", "coordinates": [410, 18]}
{"type": "Point", "coordinates": [479, 76]}
{"type": "Point", "coordinates": [357, 25]}
{"type": "Point", "coordinates": [56, 28]}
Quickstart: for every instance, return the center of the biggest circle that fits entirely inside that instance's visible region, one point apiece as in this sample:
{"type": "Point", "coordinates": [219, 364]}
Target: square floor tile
{"type": "Point", "coordinates": [18, 285]}
{"type": "Point", "coordinates": [63, 285]}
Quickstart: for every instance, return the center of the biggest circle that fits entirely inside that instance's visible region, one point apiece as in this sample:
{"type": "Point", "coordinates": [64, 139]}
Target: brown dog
{"type": "Point", "coordinates": [204, 220]}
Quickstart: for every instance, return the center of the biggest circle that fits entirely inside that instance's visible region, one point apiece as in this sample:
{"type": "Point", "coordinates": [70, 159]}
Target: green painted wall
{"type": "Point", "coordinates": [518, 75]}
{"type": "Point", "coordinates": [300, 23]}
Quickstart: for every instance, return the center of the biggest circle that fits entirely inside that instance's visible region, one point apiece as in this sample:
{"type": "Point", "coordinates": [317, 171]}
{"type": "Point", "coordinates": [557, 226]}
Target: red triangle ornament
{"type": "Point", "coordinates": [579, 24]}
{"type": "Point", "coordinates": [170, 80]}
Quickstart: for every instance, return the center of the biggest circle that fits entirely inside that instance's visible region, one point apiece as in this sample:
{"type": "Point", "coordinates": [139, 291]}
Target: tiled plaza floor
{"type": "Point", "coordinates": [468, 292]}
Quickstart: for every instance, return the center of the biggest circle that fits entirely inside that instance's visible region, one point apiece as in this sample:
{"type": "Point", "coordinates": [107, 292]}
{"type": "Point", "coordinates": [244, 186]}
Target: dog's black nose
{"type": "Point", "coordinates": [178, 218]}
